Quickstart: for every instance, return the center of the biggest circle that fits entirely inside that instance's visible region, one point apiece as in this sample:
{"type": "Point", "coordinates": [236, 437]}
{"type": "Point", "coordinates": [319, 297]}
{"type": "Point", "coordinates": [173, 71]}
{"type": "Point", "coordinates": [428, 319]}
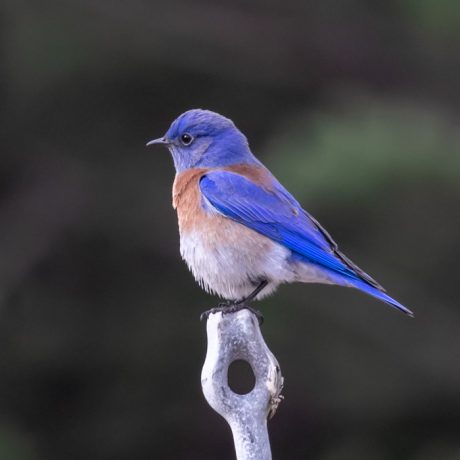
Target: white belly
{"type": "Point", "coordinates": [235, 268]}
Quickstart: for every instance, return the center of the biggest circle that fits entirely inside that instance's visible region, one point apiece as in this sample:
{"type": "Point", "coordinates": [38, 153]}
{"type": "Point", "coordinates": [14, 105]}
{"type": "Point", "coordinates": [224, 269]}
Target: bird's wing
{"type": "Point", "coordinates": [276, 214]}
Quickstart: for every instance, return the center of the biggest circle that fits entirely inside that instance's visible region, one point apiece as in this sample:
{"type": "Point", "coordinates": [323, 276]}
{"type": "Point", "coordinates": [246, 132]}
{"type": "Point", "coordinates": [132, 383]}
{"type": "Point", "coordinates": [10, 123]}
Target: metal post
{"type": "Point", "coordinates": [234, 336]}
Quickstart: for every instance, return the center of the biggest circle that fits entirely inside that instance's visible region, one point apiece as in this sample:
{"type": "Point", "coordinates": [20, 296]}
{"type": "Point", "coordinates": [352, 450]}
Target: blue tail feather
{"type": "Point", "coordinates": [378, 294]}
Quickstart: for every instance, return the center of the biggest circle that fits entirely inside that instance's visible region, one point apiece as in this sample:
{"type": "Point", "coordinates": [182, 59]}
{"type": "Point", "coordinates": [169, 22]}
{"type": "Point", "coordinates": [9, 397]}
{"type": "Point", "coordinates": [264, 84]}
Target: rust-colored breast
{"type": "Point", "coordinates": [186, 198]}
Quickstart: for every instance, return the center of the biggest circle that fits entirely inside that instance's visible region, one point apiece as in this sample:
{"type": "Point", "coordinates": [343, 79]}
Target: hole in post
{"type": "Point", "coordinates": [241, 378]}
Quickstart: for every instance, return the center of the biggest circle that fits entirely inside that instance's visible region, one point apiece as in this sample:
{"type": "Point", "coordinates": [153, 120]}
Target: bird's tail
{"type": "Point", "coordinates": [378, 294]}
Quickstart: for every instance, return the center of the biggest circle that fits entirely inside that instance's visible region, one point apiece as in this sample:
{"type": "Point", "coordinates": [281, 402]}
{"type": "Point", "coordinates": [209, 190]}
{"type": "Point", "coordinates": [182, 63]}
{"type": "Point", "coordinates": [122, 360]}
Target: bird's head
{"type": "Point", "coordinates": [204, 139]}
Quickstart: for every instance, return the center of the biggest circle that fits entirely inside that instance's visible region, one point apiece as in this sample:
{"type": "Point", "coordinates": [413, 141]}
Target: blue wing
{"type": "Point", "coordinates": [276, 214]}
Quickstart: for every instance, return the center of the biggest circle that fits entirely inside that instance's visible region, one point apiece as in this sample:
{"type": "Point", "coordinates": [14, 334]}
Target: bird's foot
{"type": "Point", "coordinates": [232, 307]}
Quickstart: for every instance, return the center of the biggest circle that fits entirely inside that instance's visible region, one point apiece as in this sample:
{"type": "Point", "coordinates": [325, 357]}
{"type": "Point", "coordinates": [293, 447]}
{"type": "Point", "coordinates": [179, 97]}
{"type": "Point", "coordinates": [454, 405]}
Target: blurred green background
{"type": "Point", "coordinates": [353, 105]}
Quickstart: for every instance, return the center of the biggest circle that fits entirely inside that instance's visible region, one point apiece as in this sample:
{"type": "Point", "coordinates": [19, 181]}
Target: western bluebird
{"type": "Point", "coordinates": [242, 233]}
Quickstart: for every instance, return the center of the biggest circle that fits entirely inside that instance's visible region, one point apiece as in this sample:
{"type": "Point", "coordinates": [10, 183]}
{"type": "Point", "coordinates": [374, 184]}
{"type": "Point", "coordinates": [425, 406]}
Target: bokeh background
{"type": "Point", "coordinates": [353, 105]}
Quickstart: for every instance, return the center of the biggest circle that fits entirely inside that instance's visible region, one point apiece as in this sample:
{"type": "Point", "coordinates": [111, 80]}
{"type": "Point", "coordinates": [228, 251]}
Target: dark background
{"type": "Point", "coordinates": [353, 105]}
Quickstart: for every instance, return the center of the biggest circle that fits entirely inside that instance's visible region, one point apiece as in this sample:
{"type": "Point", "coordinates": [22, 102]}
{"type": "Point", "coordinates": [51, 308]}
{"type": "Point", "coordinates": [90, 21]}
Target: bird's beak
{"type": "Point", "coordinates": [161, 140]}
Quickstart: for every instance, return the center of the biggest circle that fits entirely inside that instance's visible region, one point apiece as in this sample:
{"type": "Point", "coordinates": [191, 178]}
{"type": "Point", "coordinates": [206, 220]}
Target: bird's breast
{"type": "Point", "coordinates": [186, 198]}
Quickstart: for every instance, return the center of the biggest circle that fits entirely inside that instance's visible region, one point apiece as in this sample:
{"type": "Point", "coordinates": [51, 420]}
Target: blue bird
{"type": "Point", "coordinates": [242, 234]}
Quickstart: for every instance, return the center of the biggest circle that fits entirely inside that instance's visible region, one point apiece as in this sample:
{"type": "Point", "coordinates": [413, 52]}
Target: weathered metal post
{"type": "Point", "coordinates": [237, 336]}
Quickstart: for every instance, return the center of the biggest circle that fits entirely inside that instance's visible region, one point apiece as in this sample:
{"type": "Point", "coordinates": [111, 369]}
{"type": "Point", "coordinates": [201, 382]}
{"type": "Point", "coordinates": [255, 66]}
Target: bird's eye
{"type": "Point", "coordinates": [186, 139]}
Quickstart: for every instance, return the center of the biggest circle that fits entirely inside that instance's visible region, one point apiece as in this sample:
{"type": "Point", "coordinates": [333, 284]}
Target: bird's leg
{"type": "Point", "coordinates": [253, 294]}
{"type": "Point", "coordinates": [230, 306]}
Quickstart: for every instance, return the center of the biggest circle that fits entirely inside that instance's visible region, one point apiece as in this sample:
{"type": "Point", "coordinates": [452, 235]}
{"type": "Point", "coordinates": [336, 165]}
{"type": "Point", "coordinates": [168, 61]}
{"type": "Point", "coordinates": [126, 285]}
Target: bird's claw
{"type": "Point", "coordinates": [232, 307]}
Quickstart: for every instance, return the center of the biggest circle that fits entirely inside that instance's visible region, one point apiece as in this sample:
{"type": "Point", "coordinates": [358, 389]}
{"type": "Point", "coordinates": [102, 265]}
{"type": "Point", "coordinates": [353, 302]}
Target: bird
{"type": "Point", "coordinates": [242, 234]}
